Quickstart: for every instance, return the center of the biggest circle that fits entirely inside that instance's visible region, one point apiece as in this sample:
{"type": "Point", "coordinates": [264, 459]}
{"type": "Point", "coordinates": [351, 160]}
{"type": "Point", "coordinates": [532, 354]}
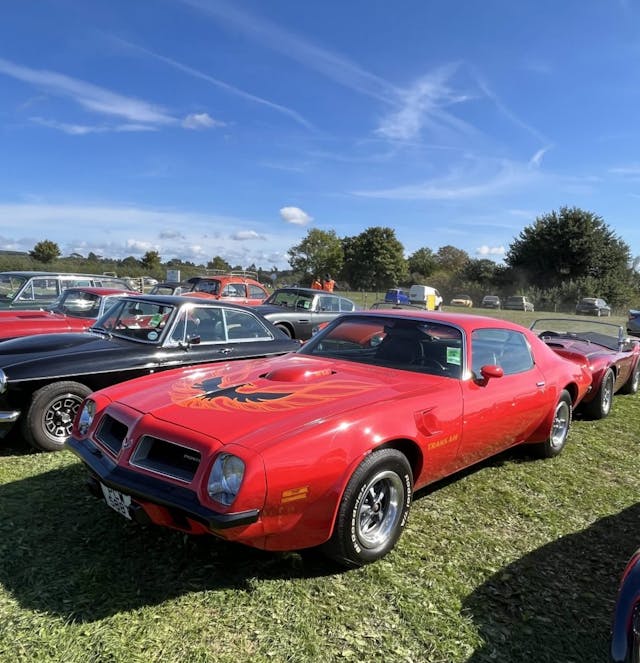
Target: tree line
{"type": "Point", "coordinates": [562, 256]}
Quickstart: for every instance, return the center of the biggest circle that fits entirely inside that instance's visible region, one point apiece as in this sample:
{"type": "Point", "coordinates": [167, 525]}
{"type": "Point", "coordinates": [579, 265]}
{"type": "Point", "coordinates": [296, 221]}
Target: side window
{"type": "Point", "coordinates": [256, 293]}
{"type": "Point", "coordinates": [234, 290]}
{"type": "Point", "coordinates": [329, 304]}
{"type": "Point", "coordinates": [507, 349]}
{"type": "Point", "coordinates": [40, 289]}
{"type": "Point", "coordinates": [346, 304]}
{"type": "Point", "coordinates": [209, 324]}
{"type": "Point", "coordinates": [244, 326]}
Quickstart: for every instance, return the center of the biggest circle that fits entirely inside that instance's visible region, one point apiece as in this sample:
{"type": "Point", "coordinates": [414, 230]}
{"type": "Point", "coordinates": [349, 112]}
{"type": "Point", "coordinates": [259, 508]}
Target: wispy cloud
{"type": "Point", "coordinates": [195, 73]}
{"type": "Point", "coordinates": [139, 115]}
{"type": "Point", "coordinates": [84, 129]}
{"type": "Point", "coordinates": [506, 176]}
{"type": "Point", "coordinates": [628, 172]}
{"type": "Point", "coordinates": [335, 67]}
{"type": "Point", "coordinates": [485, 250]}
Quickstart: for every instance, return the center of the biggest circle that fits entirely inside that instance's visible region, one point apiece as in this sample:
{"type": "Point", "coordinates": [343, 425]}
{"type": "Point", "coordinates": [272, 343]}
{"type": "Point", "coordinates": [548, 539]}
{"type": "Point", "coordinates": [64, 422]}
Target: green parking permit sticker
{"type": "Point", "coordinates": [454, 356]}
{"type": "Point", "coordinates": [155, 320]}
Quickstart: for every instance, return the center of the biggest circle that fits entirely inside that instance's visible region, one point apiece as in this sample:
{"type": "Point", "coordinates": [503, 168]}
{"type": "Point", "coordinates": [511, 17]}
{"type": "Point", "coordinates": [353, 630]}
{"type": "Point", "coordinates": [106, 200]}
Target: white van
{"type": "Point", "coordinates": [426, 296]}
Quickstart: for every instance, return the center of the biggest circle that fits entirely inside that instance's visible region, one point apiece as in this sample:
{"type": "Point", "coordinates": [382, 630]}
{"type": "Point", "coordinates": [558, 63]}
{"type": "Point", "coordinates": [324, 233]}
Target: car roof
{"type": "Point", "coordinates": [179, 300]}
{"type": "Point", "coordinates": [94, 290]}
{"type": "Point", "coordinates": [56, 274]}
{"type": "Point", "coordinates": [311, 291]}
{"type": "Point", "coordinates": [467, 321]}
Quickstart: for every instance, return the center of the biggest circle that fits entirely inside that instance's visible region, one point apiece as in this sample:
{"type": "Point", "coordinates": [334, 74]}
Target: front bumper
{"type": "Point", "coordinates": [181, 502]}
{"type": "Point", "coordinates": [7, 419]}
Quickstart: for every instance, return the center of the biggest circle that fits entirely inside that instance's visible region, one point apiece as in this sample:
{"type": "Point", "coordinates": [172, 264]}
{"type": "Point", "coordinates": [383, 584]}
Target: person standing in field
{"type": "Point", "coordinates": [328, 283]}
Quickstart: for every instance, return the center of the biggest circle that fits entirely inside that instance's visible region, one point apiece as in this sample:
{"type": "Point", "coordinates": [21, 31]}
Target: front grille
{"type": "Point", "coordinates": [166, 458]}
{"type": "Point", "coordinates": [111, 433]}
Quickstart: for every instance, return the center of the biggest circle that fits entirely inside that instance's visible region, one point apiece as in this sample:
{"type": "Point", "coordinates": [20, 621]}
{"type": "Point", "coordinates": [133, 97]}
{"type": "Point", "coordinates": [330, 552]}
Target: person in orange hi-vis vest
{"type": "Point", "coordinates": [315, 284]}
{"type": "Point", "coordinates": [328, 283]}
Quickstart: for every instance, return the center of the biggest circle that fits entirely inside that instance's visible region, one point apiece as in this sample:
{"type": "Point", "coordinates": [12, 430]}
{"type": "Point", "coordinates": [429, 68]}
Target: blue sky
{"type": "Point", "coordinates": [200, 127]}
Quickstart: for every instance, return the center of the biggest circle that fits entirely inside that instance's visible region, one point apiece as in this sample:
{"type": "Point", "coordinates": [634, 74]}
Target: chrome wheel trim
{"type": "Point", "coordinates": [379, 509]}
{"type": "Point", "coordinates": [560, 426]}
{"type": "Point", "coordinates": [58, 416]}
{"type": "Point", "coordinates": [607, 394]}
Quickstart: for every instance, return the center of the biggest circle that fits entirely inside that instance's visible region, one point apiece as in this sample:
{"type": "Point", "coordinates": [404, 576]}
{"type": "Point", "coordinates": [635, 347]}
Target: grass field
{"type": "Point", "coordinates": [515, 560]}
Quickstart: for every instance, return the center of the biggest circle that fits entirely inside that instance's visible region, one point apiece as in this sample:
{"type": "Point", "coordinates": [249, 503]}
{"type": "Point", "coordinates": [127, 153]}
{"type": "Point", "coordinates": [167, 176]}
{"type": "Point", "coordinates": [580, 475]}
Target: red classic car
{"type": "Point", "coordinates": [325, 446]}
{"type": "Point", "coordinates": [612, 357]}
{"type": "Point", "coordinates": [76, 310]}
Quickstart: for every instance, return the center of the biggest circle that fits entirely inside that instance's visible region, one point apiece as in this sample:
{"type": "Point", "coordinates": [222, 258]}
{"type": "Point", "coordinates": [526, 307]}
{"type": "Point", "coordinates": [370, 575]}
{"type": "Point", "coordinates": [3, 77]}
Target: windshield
{"type": "Point", "coordinates": [77, 304]}
{"type": "Point", "coordinates": [291, 299]}
{"type": "Point", "coordinates": [422, 346]}
{"type": "Point", "coordinates": [606, 334]}
{"type": "Point", "coordinates": [10, 284]}
{"type": "Point", "coordinates": [136, 320]}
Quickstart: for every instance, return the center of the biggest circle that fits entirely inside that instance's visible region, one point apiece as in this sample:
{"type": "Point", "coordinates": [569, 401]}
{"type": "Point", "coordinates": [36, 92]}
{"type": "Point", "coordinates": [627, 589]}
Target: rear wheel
{"type": "Point", "coordinates": [285, 329]}
{"type": "Point", "coordinates": [559, 432]}
{"type": "Point", "coordinates": [373, 510]}
{"type": "Point", "coordinates": [49, 419]}
{"type": "Point", "coordinates": [601, 404]}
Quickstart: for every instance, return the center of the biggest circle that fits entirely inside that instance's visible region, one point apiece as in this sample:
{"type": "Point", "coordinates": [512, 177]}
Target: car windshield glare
{"type": "Point", "coordinates": [421, 346]}
{"type": "Point", "coordinates": [78, 304]}
{"type": "Point", "coordinates": [137, 320]}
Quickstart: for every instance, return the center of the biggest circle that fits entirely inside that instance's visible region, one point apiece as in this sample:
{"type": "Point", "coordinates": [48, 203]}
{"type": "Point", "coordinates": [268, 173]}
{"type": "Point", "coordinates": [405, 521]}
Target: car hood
{"type": "Point", "coordinates": [21, 323]}
{"type": "Point", "coordinates": [255, 402]}
{"type": "Point", "coordinates": [265, 309]}
{"type": "Point", "coordinates": [55, 349]}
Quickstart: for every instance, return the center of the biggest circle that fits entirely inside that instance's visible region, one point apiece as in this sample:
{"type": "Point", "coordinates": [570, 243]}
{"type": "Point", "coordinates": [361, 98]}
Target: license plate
{"type": "Point", "coordinates": [117, 501]}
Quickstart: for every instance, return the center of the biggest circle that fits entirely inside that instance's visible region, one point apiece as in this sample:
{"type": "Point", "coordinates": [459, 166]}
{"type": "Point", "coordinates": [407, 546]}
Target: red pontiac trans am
{"type": "Point", "coordinates": [325, 446]}
{"type": "Point", "coordinates": [74, 311]}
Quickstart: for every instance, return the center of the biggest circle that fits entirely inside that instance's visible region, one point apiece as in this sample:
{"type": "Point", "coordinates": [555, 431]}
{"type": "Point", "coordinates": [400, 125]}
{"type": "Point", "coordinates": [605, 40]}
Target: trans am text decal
{"type": "Point", "coordinates": [214, 394]}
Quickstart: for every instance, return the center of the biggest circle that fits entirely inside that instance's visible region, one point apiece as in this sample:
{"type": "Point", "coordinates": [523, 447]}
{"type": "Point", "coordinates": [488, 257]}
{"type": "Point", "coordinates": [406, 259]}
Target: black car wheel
{"type": "Point", "coordinates": [49, 419]}
{"type": "Point", "coordinates": [285, 329]}
{"type": "Point", "coordinates": [601, 404]}
{"type": "Point", "coordinates": [633, 383]}
{"type": "Point", "coordinates": [373, 510]}
{"type": "Point", "coordinates": [559, 432]}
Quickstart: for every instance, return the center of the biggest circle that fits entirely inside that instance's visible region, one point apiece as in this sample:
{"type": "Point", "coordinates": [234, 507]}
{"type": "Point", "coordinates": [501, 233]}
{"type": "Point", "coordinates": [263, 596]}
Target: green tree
{"type": "Point", "coordinates": [422, 263]}
{"type": "Point", "coordinates": [481, 271]}
{"type": "Point", "coordinates": [151, 261]}
{"type": "Point", "coordinates": [219, 263]}
{"type": "Point", "coordinates": [450, 259]}
{"type": "Point", "coordinates": [319, 253]}
{"type": "Point", "coordinates": [573, 245]}
{"type": "Point", "coordinates": [374, 259]}
{"type": "Point", "coordinates": [45, 251]}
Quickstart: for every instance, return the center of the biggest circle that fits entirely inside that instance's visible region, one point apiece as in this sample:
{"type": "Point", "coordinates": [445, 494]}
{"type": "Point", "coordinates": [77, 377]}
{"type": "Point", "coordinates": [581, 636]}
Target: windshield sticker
{"type": "Point", "coordinates": [454, 356]}
{"type": "Point", "coordinates": [152, 336]}
{"type": "Point", "coordinates": [155, 320]}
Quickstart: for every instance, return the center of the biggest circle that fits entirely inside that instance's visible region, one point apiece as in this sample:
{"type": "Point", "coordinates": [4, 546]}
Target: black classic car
{"type": "Point", "coordinates": [43, 379]}
{"type": "Point", "coordinates": [297, 311]}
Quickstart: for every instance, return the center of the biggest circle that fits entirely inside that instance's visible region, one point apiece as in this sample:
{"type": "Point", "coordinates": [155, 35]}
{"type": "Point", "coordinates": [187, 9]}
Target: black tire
{"type": "Point", "coordinates": [632, 385]}
{"type": "Point", "coordinates": [373, 511]}
{"type": "Point", "coordinates": [559, 432]}
{"type": "Point", "coordinates": [284, 329]}
{"type": "Point", "coordinates": [601, 404]}
{"type": "Point", "coordinates": [49, 419]}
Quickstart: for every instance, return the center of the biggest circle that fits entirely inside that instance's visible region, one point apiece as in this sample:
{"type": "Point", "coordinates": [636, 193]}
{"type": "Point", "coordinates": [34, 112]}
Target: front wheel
{"type": "Point", "coordinates": [285, 329]}
{"type": "Point", "coordinates": [601, 404]}
{"type": "Point", "coordinates": [559, 432]}
{"type": "Point", "coordinates": [374, 509]}
{"type": "Point", "coordinates": [633, 383]}
{"type": "Point", "coordinates": [49, 419]}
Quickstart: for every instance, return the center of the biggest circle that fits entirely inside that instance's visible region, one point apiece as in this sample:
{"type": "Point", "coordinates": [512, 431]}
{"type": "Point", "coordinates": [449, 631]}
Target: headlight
{"type": "Point", "coordinates": [85, 419]}
{"type": "Point", "coordinates": [225, 478]}
{"type": "Point", "coordinates": [3, 382]}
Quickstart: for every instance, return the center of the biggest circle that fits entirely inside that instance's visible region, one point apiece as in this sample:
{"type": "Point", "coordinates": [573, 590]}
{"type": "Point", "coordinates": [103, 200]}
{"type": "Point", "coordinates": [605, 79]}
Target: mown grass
{"type": "Point", "coordinates": [515, 560]}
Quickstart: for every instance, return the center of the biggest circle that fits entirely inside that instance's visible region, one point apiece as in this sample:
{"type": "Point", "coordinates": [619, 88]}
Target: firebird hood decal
{"type": "Point", "coordinates": [262, 395]}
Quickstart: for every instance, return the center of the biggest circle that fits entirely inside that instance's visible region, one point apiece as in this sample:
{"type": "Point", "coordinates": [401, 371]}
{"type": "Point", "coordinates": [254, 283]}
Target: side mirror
{"type": "Point", "coordinates": [491, 371]}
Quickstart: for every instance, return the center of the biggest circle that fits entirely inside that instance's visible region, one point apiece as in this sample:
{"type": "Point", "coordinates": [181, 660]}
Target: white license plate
{"type": "Point", "coordinates": [117, 501]}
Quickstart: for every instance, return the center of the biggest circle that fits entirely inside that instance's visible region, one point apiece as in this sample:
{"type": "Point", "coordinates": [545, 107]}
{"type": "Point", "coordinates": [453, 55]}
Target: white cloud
{"type": "Point", "coordinates": [201, 121]}
{"type": "Point", "coordinates": [295, 215]}
{"type": "Point", "coordinates": [246, 234]}
{"type": "Point", "coordinates": [490, 250]}
{"type": "Point", "coordinates": [84, 129]}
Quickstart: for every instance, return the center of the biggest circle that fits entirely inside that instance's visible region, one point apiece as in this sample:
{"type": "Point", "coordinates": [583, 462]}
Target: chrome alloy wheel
{"type": "Point", "coordinates": [58, 416]}
{"type": "Point", "coordinates": [560, 426]}
{"type": "Point", "coordinates": [379, 510]}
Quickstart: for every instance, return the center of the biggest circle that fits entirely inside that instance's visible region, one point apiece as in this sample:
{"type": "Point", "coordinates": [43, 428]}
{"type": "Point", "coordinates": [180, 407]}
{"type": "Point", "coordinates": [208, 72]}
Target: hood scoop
{"type": "Point", "coordinates": [299, 372]}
